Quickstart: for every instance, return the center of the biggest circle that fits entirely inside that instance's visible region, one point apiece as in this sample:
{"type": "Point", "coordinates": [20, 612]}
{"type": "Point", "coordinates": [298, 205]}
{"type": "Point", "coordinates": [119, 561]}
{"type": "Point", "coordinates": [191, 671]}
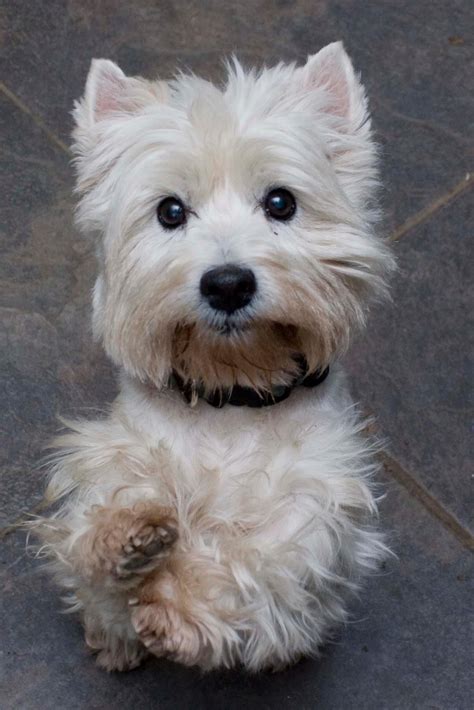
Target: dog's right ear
{"type": "Point", "coordinates": [111, 94]}
{"type": "Point", "coordinates": [106, 90]}
{"type": "Point", "coordinates": [110, 99]}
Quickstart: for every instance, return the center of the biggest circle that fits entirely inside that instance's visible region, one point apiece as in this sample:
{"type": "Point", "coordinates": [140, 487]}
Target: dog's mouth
{"type": "Point", "coordinates": [235, 327]}
{"type": "Point", "coordinates": [230, 325]}
{"type": "Point", "coordinates": [241, 324]}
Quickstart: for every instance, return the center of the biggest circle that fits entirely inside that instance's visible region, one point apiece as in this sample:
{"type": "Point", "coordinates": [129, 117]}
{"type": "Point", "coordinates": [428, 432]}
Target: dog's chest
{"type": "Point", "coordinates": [239, 452]}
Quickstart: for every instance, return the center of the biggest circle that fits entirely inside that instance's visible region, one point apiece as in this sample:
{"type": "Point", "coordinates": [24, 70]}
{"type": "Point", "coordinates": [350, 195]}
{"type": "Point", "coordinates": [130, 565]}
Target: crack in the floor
{"type": "Point", "coordinates": [427, 500]}
{"type": "Point", "coordinates": [427, 212]}
{"type": "Point", "coordinates": [36, 119]}
{"type": "Point", "coordinates": [435, 127]}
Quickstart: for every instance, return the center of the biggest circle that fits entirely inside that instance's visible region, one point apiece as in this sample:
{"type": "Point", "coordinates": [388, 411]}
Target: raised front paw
{"type": "Point", "coordinates": [148, 542]}
{"type": "Point", "coordinates": [131, 542]}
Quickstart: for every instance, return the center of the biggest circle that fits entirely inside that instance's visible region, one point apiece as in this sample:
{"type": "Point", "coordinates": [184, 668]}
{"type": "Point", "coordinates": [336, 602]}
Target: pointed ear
{"type": "Point", "coordinates": [331, 69]}
{"type": "Point", "coordinates": [106, 88]}
{"type": "Point", "coordinates": [110, 93]}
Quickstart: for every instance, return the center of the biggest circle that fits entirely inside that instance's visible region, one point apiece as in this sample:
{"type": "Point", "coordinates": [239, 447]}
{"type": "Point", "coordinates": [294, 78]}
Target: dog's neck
{"type": "Point", "coordinates": [247, 396]}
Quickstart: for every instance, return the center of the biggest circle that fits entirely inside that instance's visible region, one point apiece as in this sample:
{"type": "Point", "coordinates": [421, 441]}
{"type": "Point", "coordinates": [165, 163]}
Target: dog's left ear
{"type": "Point", "coordinates": [329, 78]}
{"type": "Point", "coordinates": [331, 70]}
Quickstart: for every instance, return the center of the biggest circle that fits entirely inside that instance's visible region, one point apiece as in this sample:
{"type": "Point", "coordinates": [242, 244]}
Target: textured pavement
{"type": "Point", "coordinates": [410, 643]}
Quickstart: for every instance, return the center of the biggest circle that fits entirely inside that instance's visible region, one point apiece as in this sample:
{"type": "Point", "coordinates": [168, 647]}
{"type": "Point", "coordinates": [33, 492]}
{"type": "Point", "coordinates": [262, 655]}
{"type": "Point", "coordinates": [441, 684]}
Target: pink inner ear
{"type": "Point", "coordinates": [109, 95]}
{"type": "Point", "coordinates": [332, 77]}
{"type": "Point", "coordinates": [331, 70]}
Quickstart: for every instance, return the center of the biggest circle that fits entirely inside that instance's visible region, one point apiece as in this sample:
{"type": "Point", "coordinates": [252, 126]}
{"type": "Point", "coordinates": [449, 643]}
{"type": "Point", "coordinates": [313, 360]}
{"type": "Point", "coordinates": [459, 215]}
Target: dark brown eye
{"type": "Point", "coordinates": [280, 204]}
{"type": "Point", "coordinates": [171, 213]}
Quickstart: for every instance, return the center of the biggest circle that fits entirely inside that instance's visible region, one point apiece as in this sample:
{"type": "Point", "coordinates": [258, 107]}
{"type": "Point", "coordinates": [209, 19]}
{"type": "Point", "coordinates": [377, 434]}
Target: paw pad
{"type": "Point", "coordinates": [145, 548]}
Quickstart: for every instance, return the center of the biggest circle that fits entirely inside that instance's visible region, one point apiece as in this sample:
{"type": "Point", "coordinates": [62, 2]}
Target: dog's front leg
{"type": "Point", "coordinates": [112, 551]}
{"type": "Point", "coordinates": [123, 545]}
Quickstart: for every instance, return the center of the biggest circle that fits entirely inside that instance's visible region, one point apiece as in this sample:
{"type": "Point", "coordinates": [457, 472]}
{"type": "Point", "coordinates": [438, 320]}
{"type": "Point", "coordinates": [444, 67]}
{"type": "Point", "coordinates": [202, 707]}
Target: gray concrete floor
{"type": "Point", "coordinates": [410, 642]}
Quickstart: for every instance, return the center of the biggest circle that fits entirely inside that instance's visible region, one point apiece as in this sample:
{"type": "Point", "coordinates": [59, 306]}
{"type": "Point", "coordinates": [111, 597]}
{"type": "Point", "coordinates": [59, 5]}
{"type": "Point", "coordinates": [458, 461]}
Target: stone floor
{"type": "Point", "coordinates": [410, 641]}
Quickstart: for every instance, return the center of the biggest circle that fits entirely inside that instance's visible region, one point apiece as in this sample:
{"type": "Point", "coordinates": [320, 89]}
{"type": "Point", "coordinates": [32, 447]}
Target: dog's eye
{"type": "Point", "coordinates": [280, 204]}
{"type": "Point", "coordinates": [171, 213]}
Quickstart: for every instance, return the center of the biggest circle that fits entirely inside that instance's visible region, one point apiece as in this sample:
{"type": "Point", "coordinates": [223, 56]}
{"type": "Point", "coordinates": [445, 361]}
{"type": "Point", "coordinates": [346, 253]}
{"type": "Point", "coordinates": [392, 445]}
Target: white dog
{"type": "Point", "coordinates": [221, 514]}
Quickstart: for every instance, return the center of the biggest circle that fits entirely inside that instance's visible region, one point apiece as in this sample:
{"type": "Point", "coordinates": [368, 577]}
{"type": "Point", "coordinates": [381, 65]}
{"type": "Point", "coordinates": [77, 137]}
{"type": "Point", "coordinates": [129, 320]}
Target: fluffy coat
{"type": "Point", "coordinates": [233, 535]}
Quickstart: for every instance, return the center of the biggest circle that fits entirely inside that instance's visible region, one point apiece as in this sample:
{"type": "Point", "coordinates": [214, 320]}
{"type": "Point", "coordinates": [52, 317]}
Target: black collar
{"type": "Point", "coordinates": [246, 396]}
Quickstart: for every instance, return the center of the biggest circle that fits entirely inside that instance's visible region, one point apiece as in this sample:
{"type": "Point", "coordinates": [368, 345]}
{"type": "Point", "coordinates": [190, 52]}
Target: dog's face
{"type": "Point", "coordinates": [235, 222]}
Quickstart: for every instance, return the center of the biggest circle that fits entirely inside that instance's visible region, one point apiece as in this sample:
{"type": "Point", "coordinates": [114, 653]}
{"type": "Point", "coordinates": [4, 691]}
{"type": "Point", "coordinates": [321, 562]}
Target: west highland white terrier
{"type": "Point", "coordinates": [222, 513]}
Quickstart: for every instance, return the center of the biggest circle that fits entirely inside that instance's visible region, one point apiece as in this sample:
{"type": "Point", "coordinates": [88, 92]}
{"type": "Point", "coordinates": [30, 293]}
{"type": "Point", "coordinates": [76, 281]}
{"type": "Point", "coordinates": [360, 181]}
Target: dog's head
{"type": "Point", "coordinates": [235, 222]}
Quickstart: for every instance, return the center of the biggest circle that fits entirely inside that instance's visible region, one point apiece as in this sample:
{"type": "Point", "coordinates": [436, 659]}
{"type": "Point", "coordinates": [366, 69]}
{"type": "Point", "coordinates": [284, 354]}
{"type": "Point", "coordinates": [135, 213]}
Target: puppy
{"type": "Point", "coordinates": [221, 514]}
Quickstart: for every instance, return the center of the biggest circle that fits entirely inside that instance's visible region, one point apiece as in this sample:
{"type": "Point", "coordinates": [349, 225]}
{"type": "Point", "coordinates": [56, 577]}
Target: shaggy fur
{"type": "Point", "coordinates": [233, 535]}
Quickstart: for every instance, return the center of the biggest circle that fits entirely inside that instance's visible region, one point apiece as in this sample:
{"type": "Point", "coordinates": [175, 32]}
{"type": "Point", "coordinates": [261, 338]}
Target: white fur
{"type": "Point", "coordinates": [274, 505]}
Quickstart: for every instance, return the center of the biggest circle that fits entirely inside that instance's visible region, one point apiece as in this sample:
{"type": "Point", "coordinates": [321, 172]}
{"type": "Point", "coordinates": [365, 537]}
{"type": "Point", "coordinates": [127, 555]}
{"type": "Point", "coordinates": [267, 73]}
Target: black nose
{"type": "Point", "coordinates": [228, 288]}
